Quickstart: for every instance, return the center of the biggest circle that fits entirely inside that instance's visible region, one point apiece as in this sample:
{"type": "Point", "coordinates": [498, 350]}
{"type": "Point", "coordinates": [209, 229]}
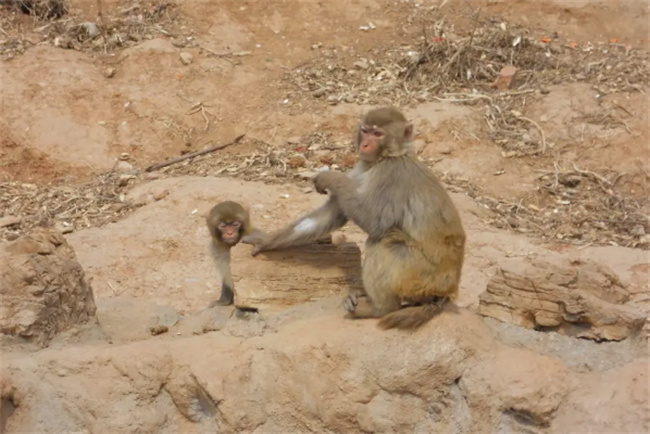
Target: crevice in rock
{"type": "Point", "coordinates": [203, 405]}
{"type": "Point", "coordinates": [521, 421]}
{"type": "Point", "coordinates": [192, 400]}
{"type": "Point", "coordinates": [7, 408]}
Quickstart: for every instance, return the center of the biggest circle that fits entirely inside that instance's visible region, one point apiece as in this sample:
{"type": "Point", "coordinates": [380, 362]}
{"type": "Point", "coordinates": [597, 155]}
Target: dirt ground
{"type": "Point", "coordinates": [559, 164]}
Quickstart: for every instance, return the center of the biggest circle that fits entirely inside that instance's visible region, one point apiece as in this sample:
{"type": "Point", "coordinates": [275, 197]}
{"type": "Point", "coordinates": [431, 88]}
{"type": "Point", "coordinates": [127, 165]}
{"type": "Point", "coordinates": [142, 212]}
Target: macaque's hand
{"type": "Point", "coordinates": [258, 239]}
{"type": "Point", "coordinates": [324, 181]}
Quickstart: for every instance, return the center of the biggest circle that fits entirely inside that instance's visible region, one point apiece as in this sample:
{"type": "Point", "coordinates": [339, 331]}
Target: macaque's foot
{"type": "Point", "coordinates": [246, 312]}
{"type": "Point", "coordinates": [350, 303]}
{"type": "Point", "coordinates": [223, 301]}
{"type": "Point", "coordinates": [359, 306]}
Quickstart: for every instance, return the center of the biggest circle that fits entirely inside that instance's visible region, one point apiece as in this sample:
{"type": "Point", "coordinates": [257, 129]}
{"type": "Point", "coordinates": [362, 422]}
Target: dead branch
{"type": "Point", "coordinates": [193, 154]}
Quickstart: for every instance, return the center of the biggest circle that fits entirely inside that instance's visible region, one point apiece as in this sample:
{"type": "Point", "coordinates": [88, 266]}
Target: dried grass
{"type": "Point", "coordinates": [574, 206]}
{"type": "Point", "coordinates": [569, 205]}
{"type": "Point", "coordinates": [41, 9]}
{"type": "Point", "coordinates": [124, 27]}
{"type": "Point", "coordinates": [104, 200]}
{"type": "Point", "coordinates": [65, 208]}
{"type": "Point", "coordinates": [448, 66]}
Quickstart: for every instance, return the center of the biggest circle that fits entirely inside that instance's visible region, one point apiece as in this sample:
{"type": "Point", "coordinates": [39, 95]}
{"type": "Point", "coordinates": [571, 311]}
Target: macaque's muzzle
{"type": "Point", "coordinates": [230, 235]}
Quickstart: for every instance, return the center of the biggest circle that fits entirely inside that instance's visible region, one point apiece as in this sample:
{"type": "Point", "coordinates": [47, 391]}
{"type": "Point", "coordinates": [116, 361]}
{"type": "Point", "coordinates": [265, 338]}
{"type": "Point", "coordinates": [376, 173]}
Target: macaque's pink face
{"type": "Point", "coordinates": [230, 231]}
{"type": "Point", "coordinates": [370, 140]}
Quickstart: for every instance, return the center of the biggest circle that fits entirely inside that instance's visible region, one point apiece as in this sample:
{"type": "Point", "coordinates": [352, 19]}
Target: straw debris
{"type": "Point", "coordinates": [465, 68]}
{"type": "Point", "coordinates": [123, 27]}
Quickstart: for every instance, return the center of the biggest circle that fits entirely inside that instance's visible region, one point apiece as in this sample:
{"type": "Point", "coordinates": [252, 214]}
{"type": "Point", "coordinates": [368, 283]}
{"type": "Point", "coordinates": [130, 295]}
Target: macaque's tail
{"type": "Point", "coordinates": [412, 317]}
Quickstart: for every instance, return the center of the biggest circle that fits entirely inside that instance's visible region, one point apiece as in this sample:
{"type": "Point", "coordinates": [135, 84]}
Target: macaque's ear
{"type": "Point", "coordinates": [408, 132]}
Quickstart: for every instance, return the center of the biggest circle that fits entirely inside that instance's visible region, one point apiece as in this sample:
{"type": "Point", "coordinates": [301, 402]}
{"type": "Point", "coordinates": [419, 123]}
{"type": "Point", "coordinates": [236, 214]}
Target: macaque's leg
{"type": "Point", "coordinates": [221, 258]}
{"type": "Point", "coordinates": [377, 282]}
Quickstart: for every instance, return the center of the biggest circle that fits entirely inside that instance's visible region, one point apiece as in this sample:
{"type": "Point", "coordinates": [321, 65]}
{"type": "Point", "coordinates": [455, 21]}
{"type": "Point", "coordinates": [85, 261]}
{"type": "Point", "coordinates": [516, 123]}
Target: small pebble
{"type": "Point", "coordinates": [123, 166]}
{"type": "Point", "coordinates": [638, 231]}
{"type": "Point", "coordinates": [186, 58]}
{"type": "Point", "coordinates": [307, 174]}
{"type": "Point", "coordinates": [293, 140]}
{"type": "Point", "coordinates": [109, 72]}
{"type": "Point", "coordinates": [91, 29]}
{"type": "Point", "coordinates": [64, 228]}
{"type": "Point", "coordinates": [11, 236]}
{"type": "Point", "coordinates": [152, 175]}
{"type": "Point", "coordinates": [297, 161]}
{"type": "Point", "coordinates": [159, 329]}
{"type": "Point", "coordinates": [179, 42]}
{"type": "Point", "coordinates": [506, 77]}
{"type": "Point", "coordinates": [159, 193]}
{"type": "Point", "coordinates": [361, 64]}
{"type": "Point", "coordinates": [9, 220]}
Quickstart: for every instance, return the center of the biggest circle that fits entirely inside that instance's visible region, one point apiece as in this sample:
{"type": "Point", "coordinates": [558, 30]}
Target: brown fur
{"type": "Point", "coordinates": [415, 246]}
{"type": "Point", "coordinates": [227, 211]}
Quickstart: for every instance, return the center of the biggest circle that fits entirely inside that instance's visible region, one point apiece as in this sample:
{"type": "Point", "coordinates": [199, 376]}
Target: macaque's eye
{"type": "Point", "coordinates": [236, 224]}
{"type": "Point", "coordinates": [222, 225]}
{"type": "Point", "coordinates": [365, 129]}
{"type": "Point", "coordinates": [378, 134]}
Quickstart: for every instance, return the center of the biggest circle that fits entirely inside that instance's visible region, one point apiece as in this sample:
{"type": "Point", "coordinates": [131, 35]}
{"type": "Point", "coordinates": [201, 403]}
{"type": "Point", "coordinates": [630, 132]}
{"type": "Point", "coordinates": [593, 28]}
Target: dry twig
{"type": "Point", "coordinates": [193, 154]}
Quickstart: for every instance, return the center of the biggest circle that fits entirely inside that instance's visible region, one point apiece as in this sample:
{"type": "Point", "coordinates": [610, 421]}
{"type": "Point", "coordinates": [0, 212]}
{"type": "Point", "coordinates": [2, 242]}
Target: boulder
{"type": "Point", "coordinates": [43, 287]}
{"type": "Point", "coordinates": [581, 299]}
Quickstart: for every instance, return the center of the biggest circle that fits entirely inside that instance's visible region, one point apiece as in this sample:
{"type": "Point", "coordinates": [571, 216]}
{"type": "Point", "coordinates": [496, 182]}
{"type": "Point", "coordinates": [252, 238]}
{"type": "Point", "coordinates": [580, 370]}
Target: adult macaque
{"type": "Point", "coordinates": [415, 247]}
{"type": "Point", "coordinates": [227, 222]}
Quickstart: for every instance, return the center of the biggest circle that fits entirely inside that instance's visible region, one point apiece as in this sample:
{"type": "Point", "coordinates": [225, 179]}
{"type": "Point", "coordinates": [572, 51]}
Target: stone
{"type": "Point", "coordinates": [581, 300]}
{"type": "Point", "coordinates": [109, 72]}
{"type": "Point", "coordinates": [10, 220]}
{"type": "Point", "coordinates": [307, 174]}
{"type": "Point", "coordinates": [297, 161]}
{"type": "Point", "coordinates": [361, 65]}
{"type": "Point", "coordinates": [123, 166]}
{"type": "Point", "coordinates": [159, 193]}
{"type": "Point", "coordinates": [186, 58]}
{"type": "Point", "coordinates": [44, 288]}
{"type": "Point", "coordinates": [506, 77]}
